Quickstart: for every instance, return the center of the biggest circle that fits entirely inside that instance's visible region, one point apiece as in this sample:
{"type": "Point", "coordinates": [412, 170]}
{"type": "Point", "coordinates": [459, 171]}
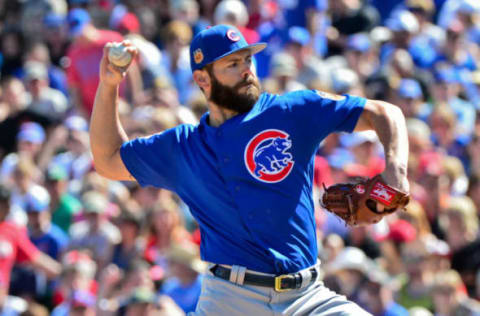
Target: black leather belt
{"type": "Point", "coordinates": [281, 283]}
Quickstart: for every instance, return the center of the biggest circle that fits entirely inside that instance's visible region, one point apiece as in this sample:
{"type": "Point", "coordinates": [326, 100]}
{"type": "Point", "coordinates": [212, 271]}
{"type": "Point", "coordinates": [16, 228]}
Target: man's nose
{"type": "Point", "coordinates": [247, 70]}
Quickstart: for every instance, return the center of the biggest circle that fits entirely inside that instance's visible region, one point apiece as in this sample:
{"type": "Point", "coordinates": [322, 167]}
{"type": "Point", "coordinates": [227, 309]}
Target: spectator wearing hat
{"type": "Point", "coordinates": [64, 206]}
{"type": "Point", "coordinates": [44, 100]}
{"type": "Point", "coordinates": [404, 27]}
{"type": "Point", "coordinates": [346, 274]}
{"type": "Point", "coordinates": [424, 11]}
{"type": "Point", "coordinates": [464, 10]}
{"type": "Point", "coordinates": [84, 58]}
{"type": "Point", "coordinates": [16, 247]}
{"type": "Point", "coordinates": [377, 294]}
{"type": "Point", "coordinates": [449, 296]}
{"type": "Point", "coordinates": [187, 268]}
{"type": "Point", "coordinates": [361, 55]}
{"type": "Point", "coordinates": [39, 52]}
{"type": "Point", "coordinates": [283, 75]}
{"type": "Point", "coordinates": [346, 81]}
{"type": "Point", "coordinates": [47, 237]}
{"type": "Point", "coordinates": [410, 99]}
{"type": "Point", "coordinates": [30, 140]}
{"type": "Point", "coordinates": [75, 158]}
{"type": "Point", "coordinates": [309, 66]}
{"type": "Point", "coordinates": [96, 232]}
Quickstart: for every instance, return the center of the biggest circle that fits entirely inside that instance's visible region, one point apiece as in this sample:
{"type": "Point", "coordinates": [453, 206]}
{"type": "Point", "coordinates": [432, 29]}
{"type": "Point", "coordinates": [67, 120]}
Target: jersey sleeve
{"type": "Point", "coordinates": [26, 250]}
{"type": "Point", "coordinates": [327, 113]}
{"type": "Point", "coordinates": [153, 160]}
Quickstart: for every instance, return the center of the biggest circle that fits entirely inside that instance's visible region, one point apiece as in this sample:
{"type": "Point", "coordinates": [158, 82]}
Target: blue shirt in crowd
{"type": "Point", "coordinates": [53, 242]}
{"type": "Point", "coordinates": [186, 297]}
{"type": "Point", "coordinates": [248, 182]}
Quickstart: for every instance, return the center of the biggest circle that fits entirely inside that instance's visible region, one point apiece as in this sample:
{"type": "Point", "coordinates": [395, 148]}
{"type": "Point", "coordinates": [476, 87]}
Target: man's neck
{"type": "Point", "coordinates": [218, 115]}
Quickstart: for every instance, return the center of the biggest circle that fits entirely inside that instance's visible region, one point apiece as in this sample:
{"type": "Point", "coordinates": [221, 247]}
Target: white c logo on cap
{"type": "Point", "coordinates": [233, 36]}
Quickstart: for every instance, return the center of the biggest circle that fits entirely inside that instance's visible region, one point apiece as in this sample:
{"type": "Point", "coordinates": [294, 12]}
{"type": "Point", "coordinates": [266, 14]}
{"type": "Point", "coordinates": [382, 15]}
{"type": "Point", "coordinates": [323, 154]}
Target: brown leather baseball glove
{"type": "Point", "coordinates": [356, 203]}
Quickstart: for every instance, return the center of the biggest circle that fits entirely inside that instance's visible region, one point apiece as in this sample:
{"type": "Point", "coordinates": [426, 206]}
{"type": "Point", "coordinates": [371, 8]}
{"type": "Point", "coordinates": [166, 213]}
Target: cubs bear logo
{"type": "Point", "coordinates": [267, 158]}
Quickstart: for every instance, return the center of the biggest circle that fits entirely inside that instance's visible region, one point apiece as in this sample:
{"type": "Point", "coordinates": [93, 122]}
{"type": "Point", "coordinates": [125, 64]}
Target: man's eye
{"type": "Point", "coordinates": [232, 65]}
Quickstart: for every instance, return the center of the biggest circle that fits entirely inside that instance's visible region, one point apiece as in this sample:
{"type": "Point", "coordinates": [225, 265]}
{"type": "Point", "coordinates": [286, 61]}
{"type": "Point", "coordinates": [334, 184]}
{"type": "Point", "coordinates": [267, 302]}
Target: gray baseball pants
{"type": "Point", "coordinates": [221, 297]}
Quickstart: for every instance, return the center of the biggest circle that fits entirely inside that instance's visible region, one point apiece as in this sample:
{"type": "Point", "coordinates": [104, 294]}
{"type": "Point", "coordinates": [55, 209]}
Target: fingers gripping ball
{"type": "Point", "coordinates": [356, 203]}
{"type": "Point", "coordinates": [118, 55]}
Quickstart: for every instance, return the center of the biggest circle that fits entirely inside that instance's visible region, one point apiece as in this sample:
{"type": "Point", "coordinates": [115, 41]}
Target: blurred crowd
{"type": "Point", "coordinates": [74, 243]}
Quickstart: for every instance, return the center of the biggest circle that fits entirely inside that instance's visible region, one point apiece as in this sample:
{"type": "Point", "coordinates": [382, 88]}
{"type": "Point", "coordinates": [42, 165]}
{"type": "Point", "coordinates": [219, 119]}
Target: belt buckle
{"type": "Point", "coordinates": [278, 283]}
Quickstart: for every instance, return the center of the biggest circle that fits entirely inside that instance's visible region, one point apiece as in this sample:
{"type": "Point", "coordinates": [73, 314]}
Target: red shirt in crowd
{"type": "Point", "coordinates": [84, 66]}
{"type": "Point", "coordinates": [15, 246]}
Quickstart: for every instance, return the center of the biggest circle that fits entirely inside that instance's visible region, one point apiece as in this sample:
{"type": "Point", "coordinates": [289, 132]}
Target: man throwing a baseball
{"type": "Point", "coordinates": [246, 173]}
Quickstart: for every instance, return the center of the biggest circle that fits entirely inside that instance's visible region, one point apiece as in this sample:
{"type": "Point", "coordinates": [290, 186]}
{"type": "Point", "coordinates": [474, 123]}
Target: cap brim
{"type": "Point", "coordinates": [254, 49]}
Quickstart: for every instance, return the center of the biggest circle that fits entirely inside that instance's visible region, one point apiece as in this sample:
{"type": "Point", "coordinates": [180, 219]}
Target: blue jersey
{"type": "Point", "coordinates": [248, 182]}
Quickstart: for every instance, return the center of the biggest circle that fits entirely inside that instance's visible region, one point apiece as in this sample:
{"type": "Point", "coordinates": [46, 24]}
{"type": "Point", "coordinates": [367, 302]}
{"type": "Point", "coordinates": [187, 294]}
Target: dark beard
{"type": "Point", "coordinates": [229, 97]}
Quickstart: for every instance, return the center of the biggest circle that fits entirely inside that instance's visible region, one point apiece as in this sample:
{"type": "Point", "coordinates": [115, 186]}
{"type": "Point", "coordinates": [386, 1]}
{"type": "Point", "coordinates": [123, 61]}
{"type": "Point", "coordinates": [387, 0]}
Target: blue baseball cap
{"type": "Point", "coordinates": [446, 75]}
{"type": "Point", "coordinates": [37, 200]}
{"type": "Point", "coordinates": [298, 34]}
{"type": "Point", "coordinates": [76, 123]}
{"type": "Point", "coordinates": [409, 88]}
{"type": "Point", "coordinates": [77, 19]}
{"type": "Point", "coordinates": [31, 132]}
{"type": "Point", "coordinates": [217, 42]}
{"type": "Point", "coordinates": [359, 42]}
{"type": "Point", "coordinates": [53, 20]}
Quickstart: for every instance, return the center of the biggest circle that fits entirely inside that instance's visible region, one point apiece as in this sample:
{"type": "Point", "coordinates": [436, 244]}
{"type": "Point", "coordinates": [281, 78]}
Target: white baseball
{"type": "Point", "coordinates": [119, 55]}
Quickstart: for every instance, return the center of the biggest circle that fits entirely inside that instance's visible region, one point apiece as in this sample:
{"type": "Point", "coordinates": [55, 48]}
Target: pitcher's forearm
{"type": "Point", "coordinates": [106, 132]}
{"type": "Point", "coordinates": [391, 130]}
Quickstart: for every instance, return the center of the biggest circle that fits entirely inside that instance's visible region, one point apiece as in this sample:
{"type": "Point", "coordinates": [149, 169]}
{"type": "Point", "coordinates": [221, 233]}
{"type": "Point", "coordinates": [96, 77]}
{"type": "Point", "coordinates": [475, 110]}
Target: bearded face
{"type": "Point", "coordinates": [230, 97]}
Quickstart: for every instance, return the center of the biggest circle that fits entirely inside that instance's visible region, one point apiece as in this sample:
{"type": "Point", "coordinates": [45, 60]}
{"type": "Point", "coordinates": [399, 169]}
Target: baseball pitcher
{"type": "Point", "coordinates": [246, 173]}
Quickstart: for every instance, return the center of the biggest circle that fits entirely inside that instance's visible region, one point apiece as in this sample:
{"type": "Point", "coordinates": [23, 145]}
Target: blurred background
{"type": "Point", "coordinates": [74, 243]}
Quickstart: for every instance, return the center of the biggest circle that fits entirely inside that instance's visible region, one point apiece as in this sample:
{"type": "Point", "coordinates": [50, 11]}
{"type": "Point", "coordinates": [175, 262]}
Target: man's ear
{"type": "Point", "coordinates": [202, 79]}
